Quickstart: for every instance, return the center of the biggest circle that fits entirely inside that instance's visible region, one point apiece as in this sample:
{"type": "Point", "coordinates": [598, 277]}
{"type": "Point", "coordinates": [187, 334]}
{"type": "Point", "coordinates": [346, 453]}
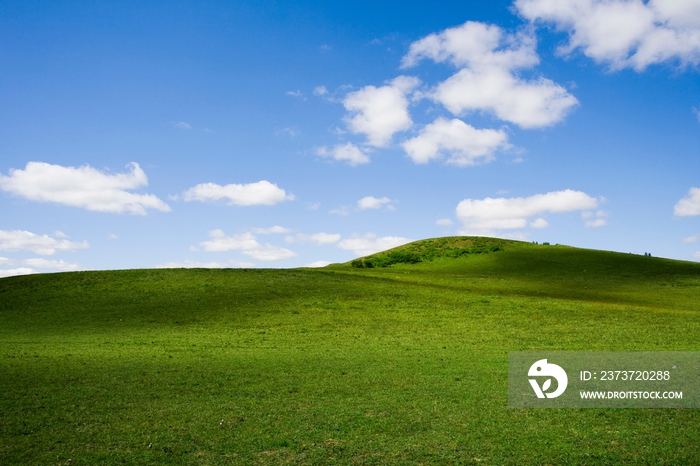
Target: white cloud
{"type": "Point", "coordinates": [188, 264]}
{"type": "Point", "coordinates": [465, 144]}
{"type": "Point", "coordinates": [313, 205]}
{"type": "Point", "coordinates": [599, 222]}
{"type": "Point", "coordinates": [444, 222]}
{"type": "Point", "coordinates": [487, 80]}
{"type": "Point", "coordinates": [369, 243]}
{"type": "Point", "coordinates": [260, 193]}
{"type": "Point", "coordinates": [83, 187]}
{"type": "Point", "coordinates": [113, 236]}
{"type": "Point", "coordinates": [21, 240]}
{"type": "Point", "coordinates": [539, 223]}
{"type": "Point", "coordinates": [347, 152]}
{"type": "Point", "coordinates": [318, 238]}
{"type": "Point", "coordinates": [318, 264]}
{"type": "Point", "coordinates": [342, 210]}
{"type": "Point", "coordinates": [296, 93]}
{"type": "Point", "coordinates": [624, 33]}
{"type": "Point", "coordinates": [692, 238]}
{"type": "Point", "coordinates": [379, 112]}
{"type": "Point", "coordinates": [15, 272]}
{"type": "Point", "coordinates": [689, 205]}
{"type": "Point", "coordinates": [291, 132]}
{"type": "Point", "coordinates": [371, 202]}
{"type": "Point", "coordinates": [48, 264]}
{"type": "Point", "coordinates": [481, 216]}
{"type": "Point", "coordinates": [275, 229]}
{"type": "Point", "coordinates": [696, 255]}
{"type": "Point", "coordinates": [247, 244]}
{"type": "Point", "coordinates": [59, 234]}
{"type": "Point", "coordinates": [40, 263]}
{"type": "Point", "coordinates": [182, 125]}
{"type": "Point", "coordinates": [320, 90]}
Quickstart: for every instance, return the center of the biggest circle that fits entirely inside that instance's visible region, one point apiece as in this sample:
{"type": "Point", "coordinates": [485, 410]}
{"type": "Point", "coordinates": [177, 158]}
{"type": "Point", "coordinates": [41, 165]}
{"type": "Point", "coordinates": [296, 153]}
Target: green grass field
{"type": "Point", "coordinates": [405, 364]}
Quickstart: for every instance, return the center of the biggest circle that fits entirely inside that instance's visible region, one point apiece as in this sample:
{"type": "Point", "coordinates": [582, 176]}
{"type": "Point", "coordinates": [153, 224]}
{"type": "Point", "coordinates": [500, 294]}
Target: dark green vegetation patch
{"type": "Point", "coordinates": [431, 249]}
{"type": "Point", "coordinates": [398, 365]}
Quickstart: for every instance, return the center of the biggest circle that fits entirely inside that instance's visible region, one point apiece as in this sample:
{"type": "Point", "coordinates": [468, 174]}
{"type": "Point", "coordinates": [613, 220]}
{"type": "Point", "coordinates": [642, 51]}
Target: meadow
{"type": "Point", "coordinates": [402, 360]}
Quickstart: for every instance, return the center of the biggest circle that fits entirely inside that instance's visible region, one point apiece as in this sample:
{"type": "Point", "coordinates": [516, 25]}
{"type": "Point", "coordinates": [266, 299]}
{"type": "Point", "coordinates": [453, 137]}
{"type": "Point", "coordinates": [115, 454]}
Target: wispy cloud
{"type": "Point", "coordinates": [318, 264]}
{"type": "Point", "coordinates": [369, 243]}
{"type": "Point", "coordinates": [318, 238]}
{"type": "Point", "coordinates": [182, 125]}
{"type": "Point", "coordinates": [189, 264]}
{"type": "Point", "coordinates": [247, 244]}
{"type": "Point", "coordinates": [348, 152]}
{"type": "Point", "coordinates": [297, 94]}
{"type": "Point", "coordinates": [39, 263]}
{"type": "Point", "coordinates": [692, 238]}
{"type": "Point", "coordinates": [266, 231]}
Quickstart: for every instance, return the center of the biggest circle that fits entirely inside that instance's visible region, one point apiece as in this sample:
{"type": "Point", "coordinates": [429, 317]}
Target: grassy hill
{"type": "Point", "coordinates": [403, 361]}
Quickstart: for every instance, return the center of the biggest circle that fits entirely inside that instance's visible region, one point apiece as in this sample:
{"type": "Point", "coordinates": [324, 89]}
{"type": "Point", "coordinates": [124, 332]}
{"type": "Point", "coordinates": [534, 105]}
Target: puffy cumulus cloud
{"type": "Point", "coordinates": [21, 240]}
{"type": "Point", "coordinates": [474, 44]}
{"type": "Point", "coordinates": [689, 205]}
{"type": "Point", "coordinates": [487, 80]}
{"type": "Point", "coordinates": [188, 264]}
{"type": "Point", "coordinates": [260, 193]}
{"type": "Point", "coordinates": [464, 144]}
{"type": "Point", "coordinates": [539, 223]}
{"type": "Point", "coordinates": [696, 255]}
{"type": "Point", "coordinates": [318, 238]}
{"type": "Point", "coordinates": [371, 202]}
{"type": "Point", "coordinates": [83, 187]}
{"type": "Point", "coordinates": [624, 33]}
{"type": "Point", "coordinates": [369, 243]}
{"type": "Point", "coordinates": [318, 264]}
{"type": "Point", "coordinates": [348, 152]}
{"type": "Point", "coordinates": [481, 216]}
{"type": "Point", "coordinates": [275, 229]}
{"type": "Point", "coordinates": [379, 112]}
{"type": "Point", "coordinates": [247, 244]}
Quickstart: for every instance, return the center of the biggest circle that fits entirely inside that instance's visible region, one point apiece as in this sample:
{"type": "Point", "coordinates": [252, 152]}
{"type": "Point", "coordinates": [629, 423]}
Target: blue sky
{"type": "Point", "coordinates": [284, 134]}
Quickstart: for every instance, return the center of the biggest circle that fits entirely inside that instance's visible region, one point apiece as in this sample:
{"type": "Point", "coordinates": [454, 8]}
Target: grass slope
{"type": "Point", "coordinates": [404, 364]}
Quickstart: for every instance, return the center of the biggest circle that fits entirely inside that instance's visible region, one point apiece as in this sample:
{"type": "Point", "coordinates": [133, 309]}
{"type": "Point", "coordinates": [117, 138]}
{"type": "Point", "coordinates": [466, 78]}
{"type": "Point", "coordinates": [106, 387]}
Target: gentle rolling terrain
{"type": "Point", "coordinates": [399, 358]}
